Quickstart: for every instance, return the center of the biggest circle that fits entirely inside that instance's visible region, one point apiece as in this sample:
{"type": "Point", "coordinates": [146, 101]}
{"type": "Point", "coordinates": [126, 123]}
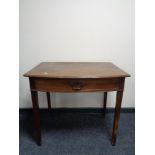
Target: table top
{"type": "Point", "coordinates": [76, 70]}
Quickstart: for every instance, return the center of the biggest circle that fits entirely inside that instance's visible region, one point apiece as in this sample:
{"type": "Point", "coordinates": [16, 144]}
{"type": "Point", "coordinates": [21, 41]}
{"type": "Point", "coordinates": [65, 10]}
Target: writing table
{"type": "Point", "coordinates": [76, 77]}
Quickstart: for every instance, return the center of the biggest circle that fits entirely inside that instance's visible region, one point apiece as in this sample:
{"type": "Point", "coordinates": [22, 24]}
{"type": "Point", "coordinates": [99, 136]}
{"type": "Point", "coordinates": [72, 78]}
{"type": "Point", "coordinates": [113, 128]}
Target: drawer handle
{"type": "Point", "coordinates": [76, 86]}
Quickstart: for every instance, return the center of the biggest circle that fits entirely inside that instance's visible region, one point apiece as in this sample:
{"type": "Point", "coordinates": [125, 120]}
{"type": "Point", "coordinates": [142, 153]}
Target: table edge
{"type": "Point", "coordinates": [75, 77]}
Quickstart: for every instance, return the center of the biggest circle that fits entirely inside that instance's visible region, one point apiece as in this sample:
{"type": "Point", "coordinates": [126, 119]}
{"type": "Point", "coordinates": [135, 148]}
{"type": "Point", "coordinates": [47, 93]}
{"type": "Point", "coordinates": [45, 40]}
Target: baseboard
{"type": "Point", "coordinates": [78, 110]}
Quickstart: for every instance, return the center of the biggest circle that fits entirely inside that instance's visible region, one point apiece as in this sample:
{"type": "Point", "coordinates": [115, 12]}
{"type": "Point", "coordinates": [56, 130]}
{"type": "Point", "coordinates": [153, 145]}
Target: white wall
{"type": "Point", "coordinates": [77, 30]}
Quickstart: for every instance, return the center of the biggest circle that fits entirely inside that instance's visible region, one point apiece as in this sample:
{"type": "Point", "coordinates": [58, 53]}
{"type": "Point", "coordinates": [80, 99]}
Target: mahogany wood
{"type": "Point", "coordinates": [76, 77]}
{"type": "Point", "coordinates": [34, 96]}
{"type": "Point", "coordinates": [48, 100]}
{"type": "Point", "coordinates": [76, 85]}
{"type": "Point", "coordinates": [104, 103]}
{"type": "Point", "coordinates": [76, 70]}
{"type": "Point", "coordinates": [116, 116]}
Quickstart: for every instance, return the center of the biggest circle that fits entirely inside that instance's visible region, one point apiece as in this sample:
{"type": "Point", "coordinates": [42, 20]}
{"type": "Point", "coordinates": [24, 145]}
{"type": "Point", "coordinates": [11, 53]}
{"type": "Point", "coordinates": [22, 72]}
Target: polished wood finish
{"type": "Point", "coordinates": [76, 85]}
{"type": "Point", "coordinates": [76, 70]}
{"type": "Point", "coordinates": [116, 116]}
{"type": "Point", "coordinates": [34, 96]}
{"type": "Point", "coordinates": [104, 103]}
{"type": "Point", "coordinates": [48, 100]}
{"type": "Point", "coordinates": [76, 77]}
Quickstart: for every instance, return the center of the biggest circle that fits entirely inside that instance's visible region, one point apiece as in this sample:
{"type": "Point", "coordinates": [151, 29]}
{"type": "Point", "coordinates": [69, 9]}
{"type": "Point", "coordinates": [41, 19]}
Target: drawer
{"type": "Point", "coordinates": [76, 85]}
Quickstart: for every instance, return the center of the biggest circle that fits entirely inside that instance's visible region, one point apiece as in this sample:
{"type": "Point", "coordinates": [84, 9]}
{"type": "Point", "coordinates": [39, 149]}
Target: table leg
{"type": "Point", "coordinates": [104, 103]}
{"type": "Point", "coordinates": [116, 116]}
{"type": "Point", "coordinates": [48, 100]}
{"type": "Point", "coordinates": [34, 96]}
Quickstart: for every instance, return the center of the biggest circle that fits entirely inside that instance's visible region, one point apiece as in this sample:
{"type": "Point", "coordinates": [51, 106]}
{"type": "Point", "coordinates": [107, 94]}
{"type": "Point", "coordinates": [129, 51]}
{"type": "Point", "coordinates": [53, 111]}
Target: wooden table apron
{"type": "Point", "coordinates": [47, 85]}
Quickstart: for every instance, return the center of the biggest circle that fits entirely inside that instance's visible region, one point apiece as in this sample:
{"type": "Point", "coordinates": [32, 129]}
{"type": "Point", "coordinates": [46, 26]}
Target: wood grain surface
{"type": "Point", "coordinates": [76, 70]}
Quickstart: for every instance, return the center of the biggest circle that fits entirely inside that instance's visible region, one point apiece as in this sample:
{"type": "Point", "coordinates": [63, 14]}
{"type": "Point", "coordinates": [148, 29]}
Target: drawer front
{"type": "Point", "coordinates": [76, 85]}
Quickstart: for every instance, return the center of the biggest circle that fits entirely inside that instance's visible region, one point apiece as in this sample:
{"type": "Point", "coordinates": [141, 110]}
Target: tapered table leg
{"type": "Point", "coordinates": [104, 103]}
{"type": "Point", "coordinates": [116, 116]}
{"type": "Point", "coordinates": [37, 124]}
{"type": "Point", "coordinates": [48, 100]}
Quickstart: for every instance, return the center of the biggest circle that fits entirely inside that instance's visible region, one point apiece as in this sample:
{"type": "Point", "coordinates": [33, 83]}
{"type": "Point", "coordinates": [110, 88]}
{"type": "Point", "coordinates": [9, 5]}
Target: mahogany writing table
{"type": "Point", "coordinates": [76, 77]}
